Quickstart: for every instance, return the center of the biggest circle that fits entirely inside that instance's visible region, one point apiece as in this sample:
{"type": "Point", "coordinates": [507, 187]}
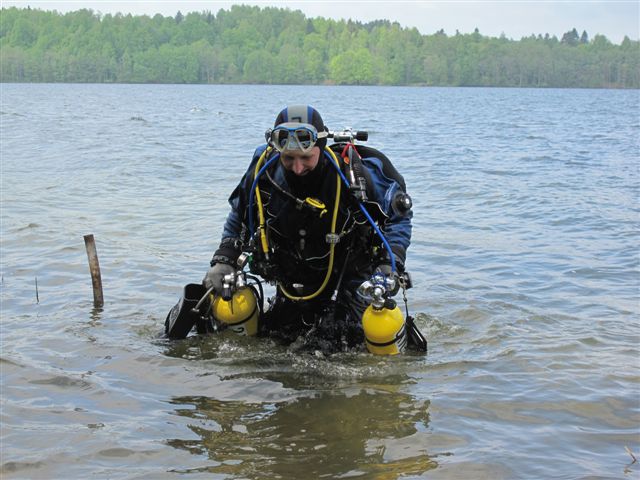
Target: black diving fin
{"type": "Point", "coordinates": [416, 338]}
{"type": "Point", "coordinates": [187, 312]}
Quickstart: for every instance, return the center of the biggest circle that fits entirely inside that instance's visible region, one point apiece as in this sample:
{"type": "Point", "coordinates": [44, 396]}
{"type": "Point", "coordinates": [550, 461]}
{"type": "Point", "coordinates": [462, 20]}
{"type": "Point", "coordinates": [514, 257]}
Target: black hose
{"type": "Point", "coordinates": [260, 293]}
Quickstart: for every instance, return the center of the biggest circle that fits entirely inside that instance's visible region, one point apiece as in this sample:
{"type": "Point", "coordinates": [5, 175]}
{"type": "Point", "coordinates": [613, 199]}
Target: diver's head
{"type": "Point", "coordinates": [300, 136]}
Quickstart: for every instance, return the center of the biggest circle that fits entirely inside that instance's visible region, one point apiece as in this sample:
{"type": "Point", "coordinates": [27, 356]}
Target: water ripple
{"type": "Point", "coordinates": [524, 259]}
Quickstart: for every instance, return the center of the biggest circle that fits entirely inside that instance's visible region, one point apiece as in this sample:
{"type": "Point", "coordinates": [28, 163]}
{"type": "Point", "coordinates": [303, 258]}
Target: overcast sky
{"type": "Point", "coordinates": [514, 18]}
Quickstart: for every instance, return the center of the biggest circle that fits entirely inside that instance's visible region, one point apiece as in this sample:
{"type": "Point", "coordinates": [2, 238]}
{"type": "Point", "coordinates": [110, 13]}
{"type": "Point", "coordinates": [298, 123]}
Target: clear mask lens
{"type": "Point", "coordinates": [301, 138]}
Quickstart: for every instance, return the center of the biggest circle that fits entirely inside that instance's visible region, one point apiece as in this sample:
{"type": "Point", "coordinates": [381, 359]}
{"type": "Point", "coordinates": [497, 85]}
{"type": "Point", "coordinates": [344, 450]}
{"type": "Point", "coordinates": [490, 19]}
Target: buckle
{"type": "Point", "coordinates": [332, 238]}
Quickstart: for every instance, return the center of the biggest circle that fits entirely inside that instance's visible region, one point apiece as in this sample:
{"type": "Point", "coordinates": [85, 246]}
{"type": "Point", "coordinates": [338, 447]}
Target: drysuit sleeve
{"type": "Point", "coordinates": [386, 192]}
{"type": "Point", "coordinates": [235, 231]}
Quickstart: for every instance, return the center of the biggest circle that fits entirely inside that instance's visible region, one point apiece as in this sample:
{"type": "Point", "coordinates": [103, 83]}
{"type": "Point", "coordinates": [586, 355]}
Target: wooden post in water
{"type": "Point", "coordinates": [94, 268]}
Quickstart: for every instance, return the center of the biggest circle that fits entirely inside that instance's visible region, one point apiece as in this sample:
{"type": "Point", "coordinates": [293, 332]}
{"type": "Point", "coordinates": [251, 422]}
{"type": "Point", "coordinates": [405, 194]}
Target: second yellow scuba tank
{"type": "Point", "coordinates": [239, 313]}
{"type": "Point", "coordinates": [384, 329]}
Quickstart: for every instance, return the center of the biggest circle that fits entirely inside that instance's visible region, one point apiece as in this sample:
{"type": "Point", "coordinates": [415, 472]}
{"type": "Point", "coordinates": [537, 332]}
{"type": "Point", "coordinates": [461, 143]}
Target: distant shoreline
{"type": "Point", "coordinates": [272, 46]}
{"type": "Point", "coordinates": [319, 85]}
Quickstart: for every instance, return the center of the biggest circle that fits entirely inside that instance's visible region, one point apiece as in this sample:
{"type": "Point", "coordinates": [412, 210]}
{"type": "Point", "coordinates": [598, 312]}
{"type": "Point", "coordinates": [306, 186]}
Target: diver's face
{"type": "Point", "coordinates": [300, 163]}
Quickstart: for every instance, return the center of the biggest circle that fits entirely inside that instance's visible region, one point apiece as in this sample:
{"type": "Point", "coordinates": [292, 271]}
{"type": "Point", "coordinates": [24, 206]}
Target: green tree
{"type": "Point", "coordinates": [584, 38]}
{"type": "Point", "coordinates": [354, 67]}
{"type": "Point", "coordinates": [571, 38]}
{"type": "Point", "coordinates": [260, 67]}
{"type": "Point", "coordinates": [277, 45]}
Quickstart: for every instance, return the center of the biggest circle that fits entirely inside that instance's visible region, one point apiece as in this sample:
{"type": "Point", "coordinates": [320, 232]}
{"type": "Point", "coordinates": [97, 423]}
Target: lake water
{"type": "Point", "coordinates": [525, 260]}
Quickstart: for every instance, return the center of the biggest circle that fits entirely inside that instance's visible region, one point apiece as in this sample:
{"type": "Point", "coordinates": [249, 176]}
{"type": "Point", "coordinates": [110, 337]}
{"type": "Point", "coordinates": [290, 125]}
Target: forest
{"type": "Point", "coordinates": [255, 45]}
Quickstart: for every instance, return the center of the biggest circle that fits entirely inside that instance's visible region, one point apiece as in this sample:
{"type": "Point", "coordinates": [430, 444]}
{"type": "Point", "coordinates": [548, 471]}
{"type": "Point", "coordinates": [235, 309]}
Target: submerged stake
{"type": "Point", "coordinates": [631, 453]}
{"type": "Point", "coordinates": [94, 268]}
{"type": "Point", "coordinates": [37, 297]}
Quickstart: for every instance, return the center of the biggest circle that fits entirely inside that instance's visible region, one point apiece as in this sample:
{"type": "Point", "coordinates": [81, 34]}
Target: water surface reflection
{"type": "Point", "coordinates": [321, 435]}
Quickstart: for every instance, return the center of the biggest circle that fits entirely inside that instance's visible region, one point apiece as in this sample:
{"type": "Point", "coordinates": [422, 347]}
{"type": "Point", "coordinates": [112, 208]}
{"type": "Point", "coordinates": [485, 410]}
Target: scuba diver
{"type": "Point", "coordinates": [330, 227]}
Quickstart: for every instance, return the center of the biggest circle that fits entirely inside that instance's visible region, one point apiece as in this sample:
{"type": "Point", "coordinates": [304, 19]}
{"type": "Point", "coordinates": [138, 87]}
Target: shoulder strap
{"type": "Point", "coordinates": [357, 160]}
{"type": "Point", "coordinates": [387, 167]}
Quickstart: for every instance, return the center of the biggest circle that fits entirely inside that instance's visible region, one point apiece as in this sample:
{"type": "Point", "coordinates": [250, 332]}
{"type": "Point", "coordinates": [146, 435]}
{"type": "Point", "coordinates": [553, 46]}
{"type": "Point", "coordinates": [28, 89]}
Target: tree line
{"type": "Point", "coordinates": [271, 45]}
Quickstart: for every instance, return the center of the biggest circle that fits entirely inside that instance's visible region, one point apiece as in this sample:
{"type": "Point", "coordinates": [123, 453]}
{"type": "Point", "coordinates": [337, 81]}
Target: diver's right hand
{"type": "Point", "coordinates": [215, 276]}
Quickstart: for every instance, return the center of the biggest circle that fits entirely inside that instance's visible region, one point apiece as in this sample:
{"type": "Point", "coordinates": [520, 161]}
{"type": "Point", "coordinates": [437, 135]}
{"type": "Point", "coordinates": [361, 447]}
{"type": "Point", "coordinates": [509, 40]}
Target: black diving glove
{"type": "Point", "coordinates": [223, 263]}
{"type": "Point", "coordinates": [215, 276]}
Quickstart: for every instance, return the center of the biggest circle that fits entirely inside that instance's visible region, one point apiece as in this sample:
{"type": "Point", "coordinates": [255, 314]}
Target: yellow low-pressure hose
{"type": "Point", "coordinates": [263, 230]}
{"type": "Point", "coordinates": [334, 221]}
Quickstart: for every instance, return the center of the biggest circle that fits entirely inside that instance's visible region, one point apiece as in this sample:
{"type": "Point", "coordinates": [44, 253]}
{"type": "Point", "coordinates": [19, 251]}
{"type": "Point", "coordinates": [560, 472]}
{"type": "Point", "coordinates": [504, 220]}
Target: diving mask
{"type": "Point", "coordinates": [294, 136]}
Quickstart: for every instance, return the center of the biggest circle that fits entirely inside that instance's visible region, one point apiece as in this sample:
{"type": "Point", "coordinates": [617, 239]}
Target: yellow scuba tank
{"type": "Point", "coordinates": [384, 329]}
{"type": "Point", "coordinates": [240, 313]}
